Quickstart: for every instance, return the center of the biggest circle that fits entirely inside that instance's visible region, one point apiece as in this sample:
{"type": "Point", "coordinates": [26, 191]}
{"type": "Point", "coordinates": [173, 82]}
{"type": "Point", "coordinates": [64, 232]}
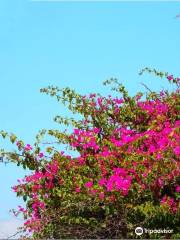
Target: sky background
{"type": "Point", "coordinates": [75, 44]}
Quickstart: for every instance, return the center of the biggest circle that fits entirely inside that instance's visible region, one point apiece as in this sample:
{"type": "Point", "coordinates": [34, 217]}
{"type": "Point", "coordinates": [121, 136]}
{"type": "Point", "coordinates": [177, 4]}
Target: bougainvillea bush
{"type": "Point", "coordinates": [124, 173]}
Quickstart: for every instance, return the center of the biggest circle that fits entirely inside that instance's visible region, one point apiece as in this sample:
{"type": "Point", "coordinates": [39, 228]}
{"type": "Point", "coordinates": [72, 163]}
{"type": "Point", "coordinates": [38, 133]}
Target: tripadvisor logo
{"type": "Point", "coordinates": [139, 231]}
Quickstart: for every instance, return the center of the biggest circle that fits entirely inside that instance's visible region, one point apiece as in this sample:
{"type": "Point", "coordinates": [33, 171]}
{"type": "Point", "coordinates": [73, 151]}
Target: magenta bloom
{"type": "Point", "coordinates": [118, 183]}
{"type": "Point", "coordinates": [178, 189]}
{"type": "Point", "coordinates": [120, 171]}
{"type": "Point", "coordinates": [102, 182]}
{"type": "Point", "coordinates": [41, 155]}
{"type": "Point", "coordinates": [170, 77]}
{"type": "Point", "coordinates": [28, 147]}
{"type": "Point", "coordinates": [77, 189]}
{"type": "Point", "coordinates": [101, 196]}
{"type": "Point", "coordinates": [119, 101]}
{"type": "Point", "coordinates": [163, 200]}
{"type": "Point", "coordinates": [89, 184]}
{"type": "Point", "coordinates": [177, 151]}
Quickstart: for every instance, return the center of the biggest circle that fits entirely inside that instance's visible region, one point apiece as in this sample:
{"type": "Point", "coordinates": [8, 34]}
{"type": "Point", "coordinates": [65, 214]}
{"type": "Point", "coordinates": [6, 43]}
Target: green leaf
{"type": "Point", "coordinates": [3, 134]}
{"type": "Point", "coordinates": [25, 198]}
{"type": "Point", "coordinates": [13, 138]}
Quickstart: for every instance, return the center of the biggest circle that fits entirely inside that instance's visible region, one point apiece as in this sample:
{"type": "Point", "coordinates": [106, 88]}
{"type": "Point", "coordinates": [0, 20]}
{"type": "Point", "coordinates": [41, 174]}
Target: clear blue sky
{"type": "Point", "coordinates": [78, 45]}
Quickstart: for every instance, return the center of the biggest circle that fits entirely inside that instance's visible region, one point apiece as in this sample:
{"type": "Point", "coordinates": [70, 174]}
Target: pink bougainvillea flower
{"type": "Point", "coordinates": [28, 147]}
{"type": "Point", "coordinates": [170, 77]}
{"type": "Point", "coordinates": [88, 184]}
{"type": "Point", "coordinates": [102, 182]}
{"type": "Point", "coordinates": [178, 189]}
{"type": "Point", "coordinates": [101, 196]}
{"type": "Point", "coordinates": [160, 182]}
{"type": "Point", "coordinates": [120, 171]}
{"type": "Point", "coordinates": [177, 151]}
{"type": "Point", "coordinates": [77, 190]}
{"type": "Point", "coordinates": [41, 155]}
{"type": "Point", "coordinates": [163, 200]}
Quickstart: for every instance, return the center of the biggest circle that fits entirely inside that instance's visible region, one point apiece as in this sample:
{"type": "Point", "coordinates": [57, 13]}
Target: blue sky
{"type": "Point", "coordinates": [75, 44]}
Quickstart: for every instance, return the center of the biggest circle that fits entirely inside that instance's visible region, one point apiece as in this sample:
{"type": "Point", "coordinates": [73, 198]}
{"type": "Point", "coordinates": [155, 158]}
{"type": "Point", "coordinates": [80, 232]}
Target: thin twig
{"type": "Point", "coordinates": [146, 87]}
{"type": "Point", "coordinates": [50, 143]}
{"type": "Point", "coordinates": [14, 234]}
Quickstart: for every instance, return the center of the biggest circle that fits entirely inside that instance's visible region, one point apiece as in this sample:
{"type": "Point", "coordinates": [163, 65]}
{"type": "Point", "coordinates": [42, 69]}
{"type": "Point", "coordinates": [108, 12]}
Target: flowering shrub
{"type": "Point", "coordinates": [125, 173]}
